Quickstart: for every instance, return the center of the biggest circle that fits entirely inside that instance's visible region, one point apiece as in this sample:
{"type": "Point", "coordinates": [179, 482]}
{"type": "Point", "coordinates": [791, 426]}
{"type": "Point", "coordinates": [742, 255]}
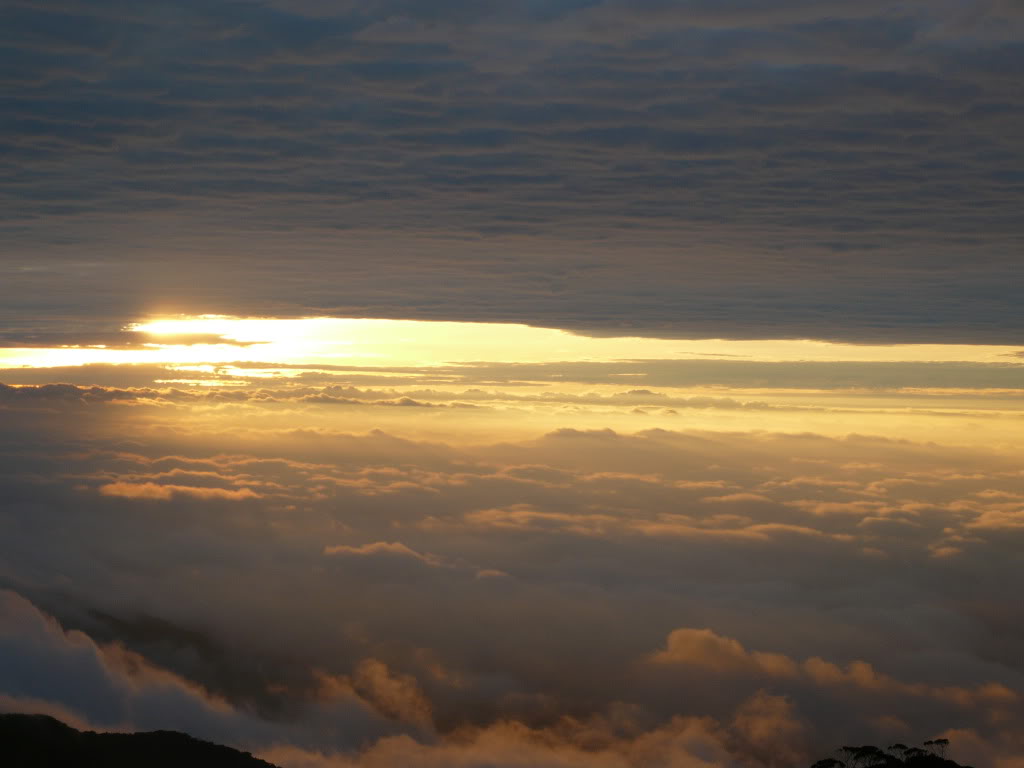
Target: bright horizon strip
{"type": "Point", "coordinates": [378, 343]}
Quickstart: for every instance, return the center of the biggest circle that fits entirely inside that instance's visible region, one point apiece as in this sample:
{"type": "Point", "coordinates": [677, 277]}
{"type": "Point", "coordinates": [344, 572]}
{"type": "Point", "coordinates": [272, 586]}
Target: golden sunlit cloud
{"type": "Point", "coordinates": [474, 381]}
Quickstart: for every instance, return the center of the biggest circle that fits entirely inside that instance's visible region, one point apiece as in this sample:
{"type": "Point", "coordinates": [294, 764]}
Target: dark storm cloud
{"type": "Point", "coordinates": [841, 170]}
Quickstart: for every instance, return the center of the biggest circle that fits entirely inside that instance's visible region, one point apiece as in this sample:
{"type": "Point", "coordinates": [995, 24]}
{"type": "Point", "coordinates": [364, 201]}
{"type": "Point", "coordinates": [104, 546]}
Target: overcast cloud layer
{"type": "Point", "coordinates": [846, 169]}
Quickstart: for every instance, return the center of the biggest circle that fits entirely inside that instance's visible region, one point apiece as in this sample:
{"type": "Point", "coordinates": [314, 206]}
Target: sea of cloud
{"type": "Point", "coordinates": [245, 567]}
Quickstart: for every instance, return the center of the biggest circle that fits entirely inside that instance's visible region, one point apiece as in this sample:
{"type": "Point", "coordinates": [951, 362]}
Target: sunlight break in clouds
{"type": "Point", "coordinates": [370, 342]}
{"type": "Point", "coordinates": [482, 380]}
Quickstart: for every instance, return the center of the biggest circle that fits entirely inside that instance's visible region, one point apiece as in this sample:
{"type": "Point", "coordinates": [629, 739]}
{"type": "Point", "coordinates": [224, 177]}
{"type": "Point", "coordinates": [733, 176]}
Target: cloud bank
{"type": "Point", "coordinates": [665, 597]}
{"type": "Point", "coordinates": [847, 170]}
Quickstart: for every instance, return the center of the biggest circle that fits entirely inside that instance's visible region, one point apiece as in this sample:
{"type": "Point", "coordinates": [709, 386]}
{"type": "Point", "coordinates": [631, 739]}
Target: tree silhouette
{"type": "Point", "coordinates": [894, 756]}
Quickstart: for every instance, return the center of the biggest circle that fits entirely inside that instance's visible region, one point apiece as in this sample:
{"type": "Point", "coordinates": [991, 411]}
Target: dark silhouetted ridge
{"type": "Point", "coordinates": [40, 741]}
{"type": "Point", "coordinates": [895, 756]}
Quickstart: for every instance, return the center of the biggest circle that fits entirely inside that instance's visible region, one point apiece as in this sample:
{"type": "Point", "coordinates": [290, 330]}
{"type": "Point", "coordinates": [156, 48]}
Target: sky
{"type": "Point", "coordinates": [523, 384]}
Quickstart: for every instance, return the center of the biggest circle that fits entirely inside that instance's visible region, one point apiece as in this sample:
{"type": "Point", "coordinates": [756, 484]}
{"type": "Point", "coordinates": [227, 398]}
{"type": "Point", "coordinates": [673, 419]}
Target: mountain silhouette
{"type": "Point", "coordinates": [40, 741]}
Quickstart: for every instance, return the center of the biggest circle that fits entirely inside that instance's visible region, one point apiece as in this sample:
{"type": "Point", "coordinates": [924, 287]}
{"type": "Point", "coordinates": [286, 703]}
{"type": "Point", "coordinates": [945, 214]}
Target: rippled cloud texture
{"type": "Point", "coordinates": [848, 169]}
